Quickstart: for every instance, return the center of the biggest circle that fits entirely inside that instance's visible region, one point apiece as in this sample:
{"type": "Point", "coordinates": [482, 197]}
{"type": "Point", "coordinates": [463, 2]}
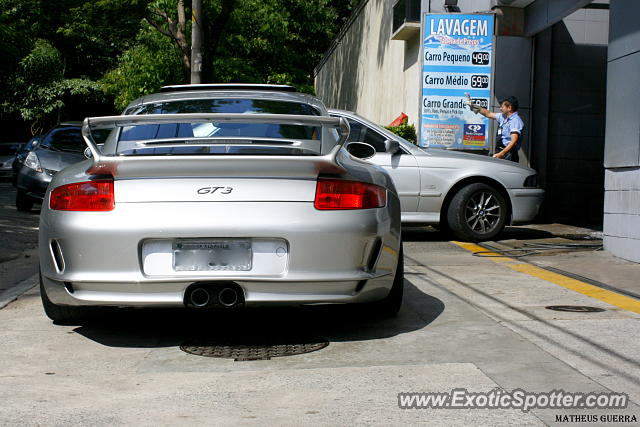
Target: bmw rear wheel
{"type": "Point", "coordinates": [477, 212]}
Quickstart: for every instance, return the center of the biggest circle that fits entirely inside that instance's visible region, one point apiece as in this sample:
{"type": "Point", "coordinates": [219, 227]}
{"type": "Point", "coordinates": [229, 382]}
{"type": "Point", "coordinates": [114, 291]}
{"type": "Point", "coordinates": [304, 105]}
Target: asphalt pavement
{"type": "Point", "coordinates": [18, 245]}
{"type": "Point", "coordinates": [474, 318]}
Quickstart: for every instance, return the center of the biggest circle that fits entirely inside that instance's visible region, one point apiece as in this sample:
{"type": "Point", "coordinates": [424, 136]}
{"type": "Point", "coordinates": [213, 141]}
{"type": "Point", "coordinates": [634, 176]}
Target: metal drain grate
{"type": "Point", "coordinates": [575, 308]}
{"type": "Point", "coordinates": [243, 349]}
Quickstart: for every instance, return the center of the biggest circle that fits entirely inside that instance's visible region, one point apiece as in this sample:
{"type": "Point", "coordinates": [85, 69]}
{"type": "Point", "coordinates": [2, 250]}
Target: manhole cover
{"type": "Point", "coordinates": [575, 308]}
{"type": "Point", "coordinates": [242, 349]}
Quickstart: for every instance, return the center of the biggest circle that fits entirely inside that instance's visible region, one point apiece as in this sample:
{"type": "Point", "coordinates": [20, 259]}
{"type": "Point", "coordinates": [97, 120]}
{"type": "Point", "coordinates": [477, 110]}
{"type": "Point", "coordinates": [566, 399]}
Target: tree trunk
{"type": "Point", "coordinates": [176, 30]}
{"type": "Point", "coordinates": [196, 41]}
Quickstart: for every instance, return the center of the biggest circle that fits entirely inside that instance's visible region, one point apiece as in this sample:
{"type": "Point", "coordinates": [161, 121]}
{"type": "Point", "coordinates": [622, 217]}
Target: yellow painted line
{"type": "Point", "coordinates": [592, 291]}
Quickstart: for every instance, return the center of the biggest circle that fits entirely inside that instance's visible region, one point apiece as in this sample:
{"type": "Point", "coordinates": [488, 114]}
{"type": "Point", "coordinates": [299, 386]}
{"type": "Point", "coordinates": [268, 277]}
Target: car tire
{"type": "Point", "coordinates": [477, 212]}
{"type": "Point", "coordinates": [61, 314]}
{"type": "Point", "coordinates": [24, 203]}
{"type": "Point", "coordinates": [391, 304]}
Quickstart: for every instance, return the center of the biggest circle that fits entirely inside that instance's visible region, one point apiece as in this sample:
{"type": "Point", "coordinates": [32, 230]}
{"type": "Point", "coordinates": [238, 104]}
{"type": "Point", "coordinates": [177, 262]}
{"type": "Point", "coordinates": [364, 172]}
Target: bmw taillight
{"type": "Point", "coordinates": [83, 196]}
{"type": "Point", "coordinates": [343, 194]}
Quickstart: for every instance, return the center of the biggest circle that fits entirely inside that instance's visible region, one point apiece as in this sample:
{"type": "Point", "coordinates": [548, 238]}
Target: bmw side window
{"type": "Point", "coordinates": [374, 139]}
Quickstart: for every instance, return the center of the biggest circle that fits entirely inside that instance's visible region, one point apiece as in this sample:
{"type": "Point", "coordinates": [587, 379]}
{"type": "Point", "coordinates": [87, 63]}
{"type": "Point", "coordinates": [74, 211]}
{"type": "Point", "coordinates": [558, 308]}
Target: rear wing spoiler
{"type": "Point", "coordinates": [135, 166]}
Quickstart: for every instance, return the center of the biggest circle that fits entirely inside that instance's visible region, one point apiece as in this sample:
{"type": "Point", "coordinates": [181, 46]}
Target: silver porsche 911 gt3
{"type": "Point", "coordinates": [220, 196]}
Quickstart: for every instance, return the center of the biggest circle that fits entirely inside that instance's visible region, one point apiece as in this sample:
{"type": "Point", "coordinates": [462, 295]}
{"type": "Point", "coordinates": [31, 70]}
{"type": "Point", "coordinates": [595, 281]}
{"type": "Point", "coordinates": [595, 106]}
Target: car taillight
{"type": "Point", "coordinates": [83, 196]}
{"type": "Point", "coordinates": [342, 194]}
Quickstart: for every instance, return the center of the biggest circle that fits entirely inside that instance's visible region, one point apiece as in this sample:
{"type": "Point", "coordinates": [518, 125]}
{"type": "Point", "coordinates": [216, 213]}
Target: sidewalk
{"type": "Point", "coordinates": [571, 251]}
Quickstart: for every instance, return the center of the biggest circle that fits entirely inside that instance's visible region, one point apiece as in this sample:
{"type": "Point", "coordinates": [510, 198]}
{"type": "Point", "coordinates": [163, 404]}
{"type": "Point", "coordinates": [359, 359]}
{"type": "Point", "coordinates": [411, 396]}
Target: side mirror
{"type": "Point", "coordinates": [32, 144]}
{"type": "Point", "coordinates": [360, 150]}
{"type": "Point", "coordinates": [87, 151]}
{"type": "Point", "coordinates": [391, 146]}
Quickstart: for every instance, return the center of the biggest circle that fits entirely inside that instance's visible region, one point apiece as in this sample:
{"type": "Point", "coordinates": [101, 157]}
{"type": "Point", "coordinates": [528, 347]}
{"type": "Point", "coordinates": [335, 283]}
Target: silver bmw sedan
{"type": "Point", "coordinates": [473, 196]}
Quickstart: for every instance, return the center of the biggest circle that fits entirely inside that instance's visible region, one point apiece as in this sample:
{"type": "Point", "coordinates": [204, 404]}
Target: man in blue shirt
{"type": "Point", "coordinates": [510, 127]}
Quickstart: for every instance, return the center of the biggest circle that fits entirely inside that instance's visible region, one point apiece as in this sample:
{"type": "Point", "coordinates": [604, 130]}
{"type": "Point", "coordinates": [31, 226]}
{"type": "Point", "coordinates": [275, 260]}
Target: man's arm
{"type": "Point", "coordinates": [514, 140]}
{"type": "Point", "coordinates": [487, 113]}
{"type": "Point", "coordinates": [478, 109]}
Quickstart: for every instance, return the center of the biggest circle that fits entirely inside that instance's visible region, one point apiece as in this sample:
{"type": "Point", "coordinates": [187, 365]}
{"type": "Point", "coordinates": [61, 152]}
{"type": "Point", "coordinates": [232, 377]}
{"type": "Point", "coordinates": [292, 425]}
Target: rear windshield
{"type": "Point", "coordinates": [219, 129]}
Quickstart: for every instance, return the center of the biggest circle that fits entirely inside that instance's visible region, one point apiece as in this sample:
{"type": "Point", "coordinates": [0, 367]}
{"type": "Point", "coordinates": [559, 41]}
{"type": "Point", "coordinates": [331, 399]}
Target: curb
{"type": "Point", "coordinates": [10, 295]}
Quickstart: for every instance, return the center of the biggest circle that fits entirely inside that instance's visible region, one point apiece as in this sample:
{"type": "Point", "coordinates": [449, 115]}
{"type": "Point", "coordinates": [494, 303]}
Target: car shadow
{"type": "Point", "coordinates": [424, 234]}
{"type": "Point", "coordinates": [157, 328]}
{"type": "Point", "coordinates": [430, 234]}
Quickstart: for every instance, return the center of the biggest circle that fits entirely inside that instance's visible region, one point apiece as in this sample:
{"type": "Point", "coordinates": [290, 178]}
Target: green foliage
{"type": "Point", "coordinates": [43, 64]}
{"type": "Point", "coordinates": [275, 41]}
{"type": "Point", "coordinates": [68, 57]}
{"type": "Point", "coordinates": [15, 41]}
{"type": "Point", "coordinates": [37, 83]}
{"type": "Point", "coordinates": [98, 32]}
{"type": "Point", "coordinates": [263, 41]}
{"type": "Point", "coordinates": [404, 130]}
{"type": "Point", "coordinates": [143, 69]}
{"type": "Point", "coordinates": [38, 87]}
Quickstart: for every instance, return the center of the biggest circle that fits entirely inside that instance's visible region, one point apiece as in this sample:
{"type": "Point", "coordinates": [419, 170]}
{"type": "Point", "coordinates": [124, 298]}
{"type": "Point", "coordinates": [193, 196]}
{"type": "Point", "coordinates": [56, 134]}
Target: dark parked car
{"type": "Point", "coordinates": [7, 154]}
{"type": "Point", "coordinates": [60, 147]}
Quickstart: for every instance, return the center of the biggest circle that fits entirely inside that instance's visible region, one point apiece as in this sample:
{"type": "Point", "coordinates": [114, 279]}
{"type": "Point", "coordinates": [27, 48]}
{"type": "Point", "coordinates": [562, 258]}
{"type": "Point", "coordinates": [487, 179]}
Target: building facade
{"type": "Point", "coordinates": [574, 66]}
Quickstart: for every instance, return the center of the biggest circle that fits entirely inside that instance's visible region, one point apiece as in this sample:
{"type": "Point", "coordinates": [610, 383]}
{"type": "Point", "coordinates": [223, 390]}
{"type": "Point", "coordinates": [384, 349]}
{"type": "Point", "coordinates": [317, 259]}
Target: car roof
{"type": "Point", "coordinates": [227, 86]}
{"type": "Point", "coordinates": [68, 124]}
{"type": "Point", "coordinates": [229, 92]}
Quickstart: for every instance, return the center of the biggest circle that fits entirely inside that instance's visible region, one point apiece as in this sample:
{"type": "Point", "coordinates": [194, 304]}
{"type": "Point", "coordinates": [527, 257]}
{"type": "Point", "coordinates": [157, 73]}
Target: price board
{"type": "Point", "coordinates": [457, 58]}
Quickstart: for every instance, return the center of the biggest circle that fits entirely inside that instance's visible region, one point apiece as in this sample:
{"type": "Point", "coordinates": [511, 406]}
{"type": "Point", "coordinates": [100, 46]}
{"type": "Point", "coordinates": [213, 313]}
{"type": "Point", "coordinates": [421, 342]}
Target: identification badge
{"type": "Point", "coordinates": [500, 131]}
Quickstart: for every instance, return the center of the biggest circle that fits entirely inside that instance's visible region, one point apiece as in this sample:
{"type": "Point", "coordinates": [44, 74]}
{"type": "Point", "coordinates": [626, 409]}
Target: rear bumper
{"type": "Point", "coordinates": [329, 259]}
{"type": "Point", "coordinates": [172, 294]}
{"type": "Point", "coordinates": [525, 204]}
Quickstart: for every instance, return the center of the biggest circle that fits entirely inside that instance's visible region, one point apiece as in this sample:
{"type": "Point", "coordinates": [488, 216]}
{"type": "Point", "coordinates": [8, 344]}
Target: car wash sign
{"type": "Point", "coordinates": [457, 54]}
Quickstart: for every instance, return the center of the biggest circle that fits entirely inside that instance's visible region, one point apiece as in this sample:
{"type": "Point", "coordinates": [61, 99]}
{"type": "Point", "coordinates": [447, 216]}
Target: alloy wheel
{"type": "Point", "coordinates": [482, 212]}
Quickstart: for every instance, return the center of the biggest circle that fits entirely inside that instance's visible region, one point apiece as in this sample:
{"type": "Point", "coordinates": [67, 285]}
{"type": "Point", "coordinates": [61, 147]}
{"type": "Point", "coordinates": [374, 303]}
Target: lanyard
{"type": "Point", "coordinates": [507, 120]}
{"type": "Point", "coordinates": [500, 136]}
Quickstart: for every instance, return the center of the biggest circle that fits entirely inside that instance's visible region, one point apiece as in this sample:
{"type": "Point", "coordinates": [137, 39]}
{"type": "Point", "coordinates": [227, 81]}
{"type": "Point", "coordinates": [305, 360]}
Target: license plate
{"type": "Point", "coordinates": [212, 255]}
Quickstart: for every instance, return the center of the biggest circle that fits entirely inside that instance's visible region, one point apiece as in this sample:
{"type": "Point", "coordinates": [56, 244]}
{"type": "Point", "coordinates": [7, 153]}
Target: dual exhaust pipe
{"type": "Point", "coordinates": [227, 295]}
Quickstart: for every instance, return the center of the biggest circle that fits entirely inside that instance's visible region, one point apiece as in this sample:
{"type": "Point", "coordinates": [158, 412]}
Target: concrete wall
{"type": "Point", "coordinates": [369, 73]}
{"type": "Point", "coordinates": [576, 118]}
{"type": "Point", "coordinates": [512, 77]}
{"type": "Point", "coordinates": [541, 14]}
{"type": "Point", "coordinates": [466, 6]}
{"type": "Point", "coordinates": [622, 145]}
